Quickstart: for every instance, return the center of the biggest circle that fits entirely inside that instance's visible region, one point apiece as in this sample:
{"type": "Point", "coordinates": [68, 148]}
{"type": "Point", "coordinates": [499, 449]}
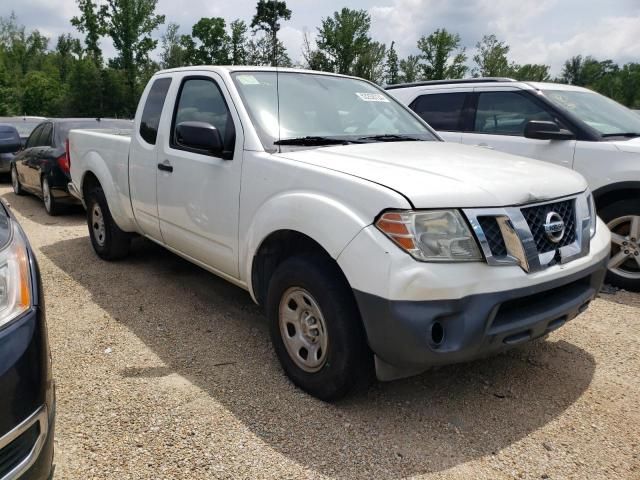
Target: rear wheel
{"type": "Point", "coordinates": [316, 329]}
{"type": "Point", "coordinates": [623, 219]}
{"type": "Point", "coordinates": [15, 181]}
{"type": "Point", "coordinates": [108, 240]}
{"type": "Point", "coordinates": [52, 207]}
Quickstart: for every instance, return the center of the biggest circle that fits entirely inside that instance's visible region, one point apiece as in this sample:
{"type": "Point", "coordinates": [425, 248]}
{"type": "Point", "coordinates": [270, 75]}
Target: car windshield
{"type": "Point", "coordinates": [316, 110]}
{"type": "Point", "coordinates": [599, 112]}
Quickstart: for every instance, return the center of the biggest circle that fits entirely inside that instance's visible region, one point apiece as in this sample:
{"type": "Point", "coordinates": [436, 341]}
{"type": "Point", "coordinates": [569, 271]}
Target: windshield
{"type": "Point", "coordinates": [323, 107]}
{"type": "Point", "coordinates": [599, 112]}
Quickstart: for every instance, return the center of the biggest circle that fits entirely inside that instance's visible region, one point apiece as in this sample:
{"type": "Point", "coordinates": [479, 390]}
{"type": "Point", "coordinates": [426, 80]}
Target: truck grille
{"type": "Point", "coordinates": [520, 235]}
{"type": "Point", "coordinates": [493, 234]}
{"type": "Point", "coordinates": [536, 217]}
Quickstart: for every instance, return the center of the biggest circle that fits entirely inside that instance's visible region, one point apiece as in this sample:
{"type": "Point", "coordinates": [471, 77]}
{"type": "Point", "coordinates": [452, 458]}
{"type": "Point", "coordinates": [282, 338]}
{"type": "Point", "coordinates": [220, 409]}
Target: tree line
{"type": "Point", "coordinates": [72, 77]}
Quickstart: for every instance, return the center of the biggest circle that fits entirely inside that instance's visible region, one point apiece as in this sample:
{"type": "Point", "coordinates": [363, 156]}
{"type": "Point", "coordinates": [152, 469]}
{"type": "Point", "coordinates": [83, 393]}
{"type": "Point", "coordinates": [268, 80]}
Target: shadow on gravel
{"type": "Point", "coordinates": [31, 207]}
{"type": "Point", "coordinates": [211, 333]}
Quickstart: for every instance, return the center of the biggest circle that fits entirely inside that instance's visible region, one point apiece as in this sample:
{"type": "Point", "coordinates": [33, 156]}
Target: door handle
{"type": "Point", "coordinates": [165, 166]}
{"type": "Point", "coordinates": [484, 145]}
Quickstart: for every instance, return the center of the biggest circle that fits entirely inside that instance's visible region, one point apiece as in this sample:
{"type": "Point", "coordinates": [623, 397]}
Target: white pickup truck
{"type": "Point", "coordinates": [371, 244]}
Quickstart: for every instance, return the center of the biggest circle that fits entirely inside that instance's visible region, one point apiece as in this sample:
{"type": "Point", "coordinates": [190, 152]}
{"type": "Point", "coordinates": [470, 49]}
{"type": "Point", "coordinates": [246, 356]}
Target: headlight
{"type": "Point", "coordinates": [15, 284]}
{"type": "Point", "coordinates": [593, 216]}
{"type": "Point", "coordinates": [431, 235]}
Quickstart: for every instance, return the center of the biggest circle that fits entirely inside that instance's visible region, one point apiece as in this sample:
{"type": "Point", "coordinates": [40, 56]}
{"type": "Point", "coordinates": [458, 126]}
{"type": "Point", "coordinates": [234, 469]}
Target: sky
{"type": "Point", "coordinates": [538, 31]}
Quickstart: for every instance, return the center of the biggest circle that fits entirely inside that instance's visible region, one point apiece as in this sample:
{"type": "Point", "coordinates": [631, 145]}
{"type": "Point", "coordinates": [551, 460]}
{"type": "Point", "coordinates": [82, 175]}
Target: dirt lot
{"type": "Point", "coordinates": [165, 371]}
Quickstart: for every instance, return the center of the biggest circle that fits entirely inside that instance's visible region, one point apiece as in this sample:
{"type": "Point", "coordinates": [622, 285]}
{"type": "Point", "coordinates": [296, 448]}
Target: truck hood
{"type": "Point", "coordinates": [631, 145]}
{"type": "Point", "coordinates": [441, 175]}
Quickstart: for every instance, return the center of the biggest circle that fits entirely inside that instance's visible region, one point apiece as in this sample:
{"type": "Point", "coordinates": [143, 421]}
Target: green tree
{"type": "Point", "coordinates": [491, 58]}
{"type": "Point", "coordinates": [392, 68]}
{"type": "Point", "coordinates": [130, 24]}
{"type": "Point", "coordinates": [344, 37]}
{"type": "Point", "coordinates": [85, 80]}
{"type": "Point", "coordinates": [314, 58]}
{"type": "Point", "coordinates": [260, 52]}
{"type": "Point", "coordinates": [213, 46]}
{"type": "Point", "coordinates": [531, 72]}
{"type": "Point", "coordinates": [629, 80]}
{"type": "Point", "coordinates": [267, 20]}
{"type": "Point", "coordinates": [67, 50]}
{"type": "Point", "coordinates": [238, 42]}
{"type": "Point", "coordinates": [41, 94]}
{"type": "Point", "coordinates": [370, 64]}
{"type": "Point", "coordinates": [90, 24]}
{"type": "Point", "coordinates": [173, 53]}
{"type": "Point", "coordinates": [410, 69]}
{"type": "Point", "coordinates": [443, 55]}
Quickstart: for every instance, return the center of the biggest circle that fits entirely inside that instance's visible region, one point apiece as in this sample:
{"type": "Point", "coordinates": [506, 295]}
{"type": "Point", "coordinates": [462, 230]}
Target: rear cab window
{"type": "Point", "coordinates": [153, 109]}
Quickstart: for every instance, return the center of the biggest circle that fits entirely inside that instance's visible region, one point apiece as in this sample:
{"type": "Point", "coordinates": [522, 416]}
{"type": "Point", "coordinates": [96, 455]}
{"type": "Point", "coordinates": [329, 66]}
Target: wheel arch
{"type": "Point", "coordinates": [615, 192]}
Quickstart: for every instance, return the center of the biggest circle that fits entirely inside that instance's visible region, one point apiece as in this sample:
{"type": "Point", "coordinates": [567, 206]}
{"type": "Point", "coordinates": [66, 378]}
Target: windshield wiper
{"type": "Point", "coordinates": [313, 141]}
{"type": "Point", "coordinates": [391, 137]}
{"type": "Point", "coordinates": [622, 134]}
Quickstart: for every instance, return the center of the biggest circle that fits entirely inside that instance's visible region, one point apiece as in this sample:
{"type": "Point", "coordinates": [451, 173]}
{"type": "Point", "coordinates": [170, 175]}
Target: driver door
{"type": "Point", "coordinates": [498, 124]}
{"type": "Point", "coordinates": [199, 192]}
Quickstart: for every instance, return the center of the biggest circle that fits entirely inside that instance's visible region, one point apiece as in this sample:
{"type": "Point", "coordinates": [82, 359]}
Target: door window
{"type": "Point", "coordinates": [34, 137]}
{"type": "Point", "coordinates": [153, 109]}
{"type": "Point", "coordinates": [44, 140]}
{"type": "Point", "coordinates": [507, 113]}
{"type": "Point", "coordinates": [202, 101]}
{"type": "Point", "coordinates": [443, 111]}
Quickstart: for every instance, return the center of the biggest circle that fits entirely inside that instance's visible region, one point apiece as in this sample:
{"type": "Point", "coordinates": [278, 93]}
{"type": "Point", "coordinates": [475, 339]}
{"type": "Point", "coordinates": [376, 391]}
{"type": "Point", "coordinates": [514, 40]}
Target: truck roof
{"type": "Point", "coordinates": [247, 68]}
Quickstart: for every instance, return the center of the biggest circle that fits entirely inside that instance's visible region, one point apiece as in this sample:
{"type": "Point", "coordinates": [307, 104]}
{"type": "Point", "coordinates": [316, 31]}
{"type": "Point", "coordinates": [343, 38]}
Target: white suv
{"type": "Point", "coordinates": [563, 124]}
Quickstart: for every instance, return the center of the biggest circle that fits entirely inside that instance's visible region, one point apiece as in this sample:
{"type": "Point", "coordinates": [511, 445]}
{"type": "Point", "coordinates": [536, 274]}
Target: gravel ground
{"type": "Point", "coordinates": [165, 371]}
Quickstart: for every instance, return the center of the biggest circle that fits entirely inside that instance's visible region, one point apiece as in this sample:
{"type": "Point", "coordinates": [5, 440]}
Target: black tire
{"type": "Point", "coordinates": [51, 205]}
{"type": "Point", "coordinates": [112, 243]}
{"type": "Point", "coordinates": [15, 182]}
{"type": "Point", "coordinates": [611, 214]}
{"type": "Point", "coordinates": [348, 361]}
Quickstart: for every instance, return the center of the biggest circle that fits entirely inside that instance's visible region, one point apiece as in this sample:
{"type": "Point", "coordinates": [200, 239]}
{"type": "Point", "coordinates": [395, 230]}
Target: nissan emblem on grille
{"type": "Point", "coordinates": [554, 227]}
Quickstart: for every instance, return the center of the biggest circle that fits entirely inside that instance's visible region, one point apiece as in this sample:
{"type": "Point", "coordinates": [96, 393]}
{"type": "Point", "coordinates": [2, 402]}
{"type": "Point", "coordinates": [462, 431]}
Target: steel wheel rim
{"type": "Point", "coordinates": [625, 246]}
{"type": "Point", "coordinates": [14, 180]}
{"type": "Point", "coordinates": [97, 225]}
{"type": "Point", "coordinates": [303, 329]}
{"type": "Point", "coordinates": [46, 194]}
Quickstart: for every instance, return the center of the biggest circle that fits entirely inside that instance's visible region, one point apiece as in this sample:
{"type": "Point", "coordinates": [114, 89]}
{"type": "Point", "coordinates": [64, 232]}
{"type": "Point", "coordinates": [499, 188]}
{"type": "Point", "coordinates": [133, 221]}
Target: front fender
{"type": "Point", "coordinates": [115, 186]}
{"type": "Point", "coordinates": [329, 222]}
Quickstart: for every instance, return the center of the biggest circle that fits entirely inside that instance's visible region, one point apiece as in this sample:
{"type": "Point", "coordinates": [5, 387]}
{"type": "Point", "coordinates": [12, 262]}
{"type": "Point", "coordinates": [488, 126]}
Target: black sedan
{"type": "Point", "coordinates": [42, 167]}
{"type": "Point", "coordinates": [27, 394]}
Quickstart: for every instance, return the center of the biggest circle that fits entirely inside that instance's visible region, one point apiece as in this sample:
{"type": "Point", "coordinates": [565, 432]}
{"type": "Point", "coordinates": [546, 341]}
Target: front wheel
{"type": "Point", "coordinates": [108, 240]}
{"type": "Point", "coordinates": [15, 181]}
{"type": "Point", "coordinates": [316, 329]}
{"type": "Point", "coordinates": [623, 219]}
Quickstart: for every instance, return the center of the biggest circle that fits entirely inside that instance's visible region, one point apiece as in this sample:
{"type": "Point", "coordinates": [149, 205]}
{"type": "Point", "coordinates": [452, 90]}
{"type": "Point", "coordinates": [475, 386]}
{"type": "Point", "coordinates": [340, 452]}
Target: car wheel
{"type": "Point", "coordinates": [108, 240]}
{"type": "Point", "coordinates": [15, 181]}
{"type": "Point", "coordinates": [52, 207]}
{"type": "Point", "coordinates": [316, 329]}
{"type": "Point", "coordinates": [623, 219]}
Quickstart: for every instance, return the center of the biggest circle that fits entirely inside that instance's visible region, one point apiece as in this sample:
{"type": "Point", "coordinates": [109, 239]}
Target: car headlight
{"type": "Point", "coordinates": [15, 283]}
{"type": "Point", "coordinates": [593, 216]}
{"type": "Point", "coordinates": [431, 235]}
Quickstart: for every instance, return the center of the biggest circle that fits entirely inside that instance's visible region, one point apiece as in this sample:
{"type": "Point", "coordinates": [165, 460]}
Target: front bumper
{"type": "Point", "coordinates": [409, 336]}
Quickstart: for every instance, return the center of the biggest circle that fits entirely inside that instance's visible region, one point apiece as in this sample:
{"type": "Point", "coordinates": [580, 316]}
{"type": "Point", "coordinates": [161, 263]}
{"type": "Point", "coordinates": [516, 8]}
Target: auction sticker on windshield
{"type": "Point", "coordinates": [248, 80]}
{"type": "Point", "coordinates": [372, 97]}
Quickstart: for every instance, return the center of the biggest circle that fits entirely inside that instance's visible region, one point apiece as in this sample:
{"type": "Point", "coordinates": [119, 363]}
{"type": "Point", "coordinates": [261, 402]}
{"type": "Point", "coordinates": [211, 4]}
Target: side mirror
{"type": "Point", "coordinates": [199, 136]}
{"type": "Point", "coordinates": [542, 130]}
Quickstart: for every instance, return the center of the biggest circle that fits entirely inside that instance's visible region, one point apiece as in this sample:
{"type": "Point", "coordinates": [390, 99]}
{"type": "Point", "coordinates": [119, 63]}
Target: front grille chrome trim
{"type": "Point", "coordinates": [39, 416]}
{"type": "Point", "coordinates": [521, 245]}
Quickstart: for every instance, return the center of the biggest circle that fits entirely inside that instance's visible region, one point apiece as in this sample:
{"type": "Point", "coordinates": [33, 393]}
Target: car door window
{"type": "Point", "coordinates": [201, 100]}
{"type": "Point", "coordinates": [34, 137]}
{"type": "Point", "coordinates": [443, 111]}
{"type": "Point", "coordinates": [44, 140]}
{"type": "Point", "coordinates": [153, 109]}
{"type": "Point", "coordinates": [507, 113]}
